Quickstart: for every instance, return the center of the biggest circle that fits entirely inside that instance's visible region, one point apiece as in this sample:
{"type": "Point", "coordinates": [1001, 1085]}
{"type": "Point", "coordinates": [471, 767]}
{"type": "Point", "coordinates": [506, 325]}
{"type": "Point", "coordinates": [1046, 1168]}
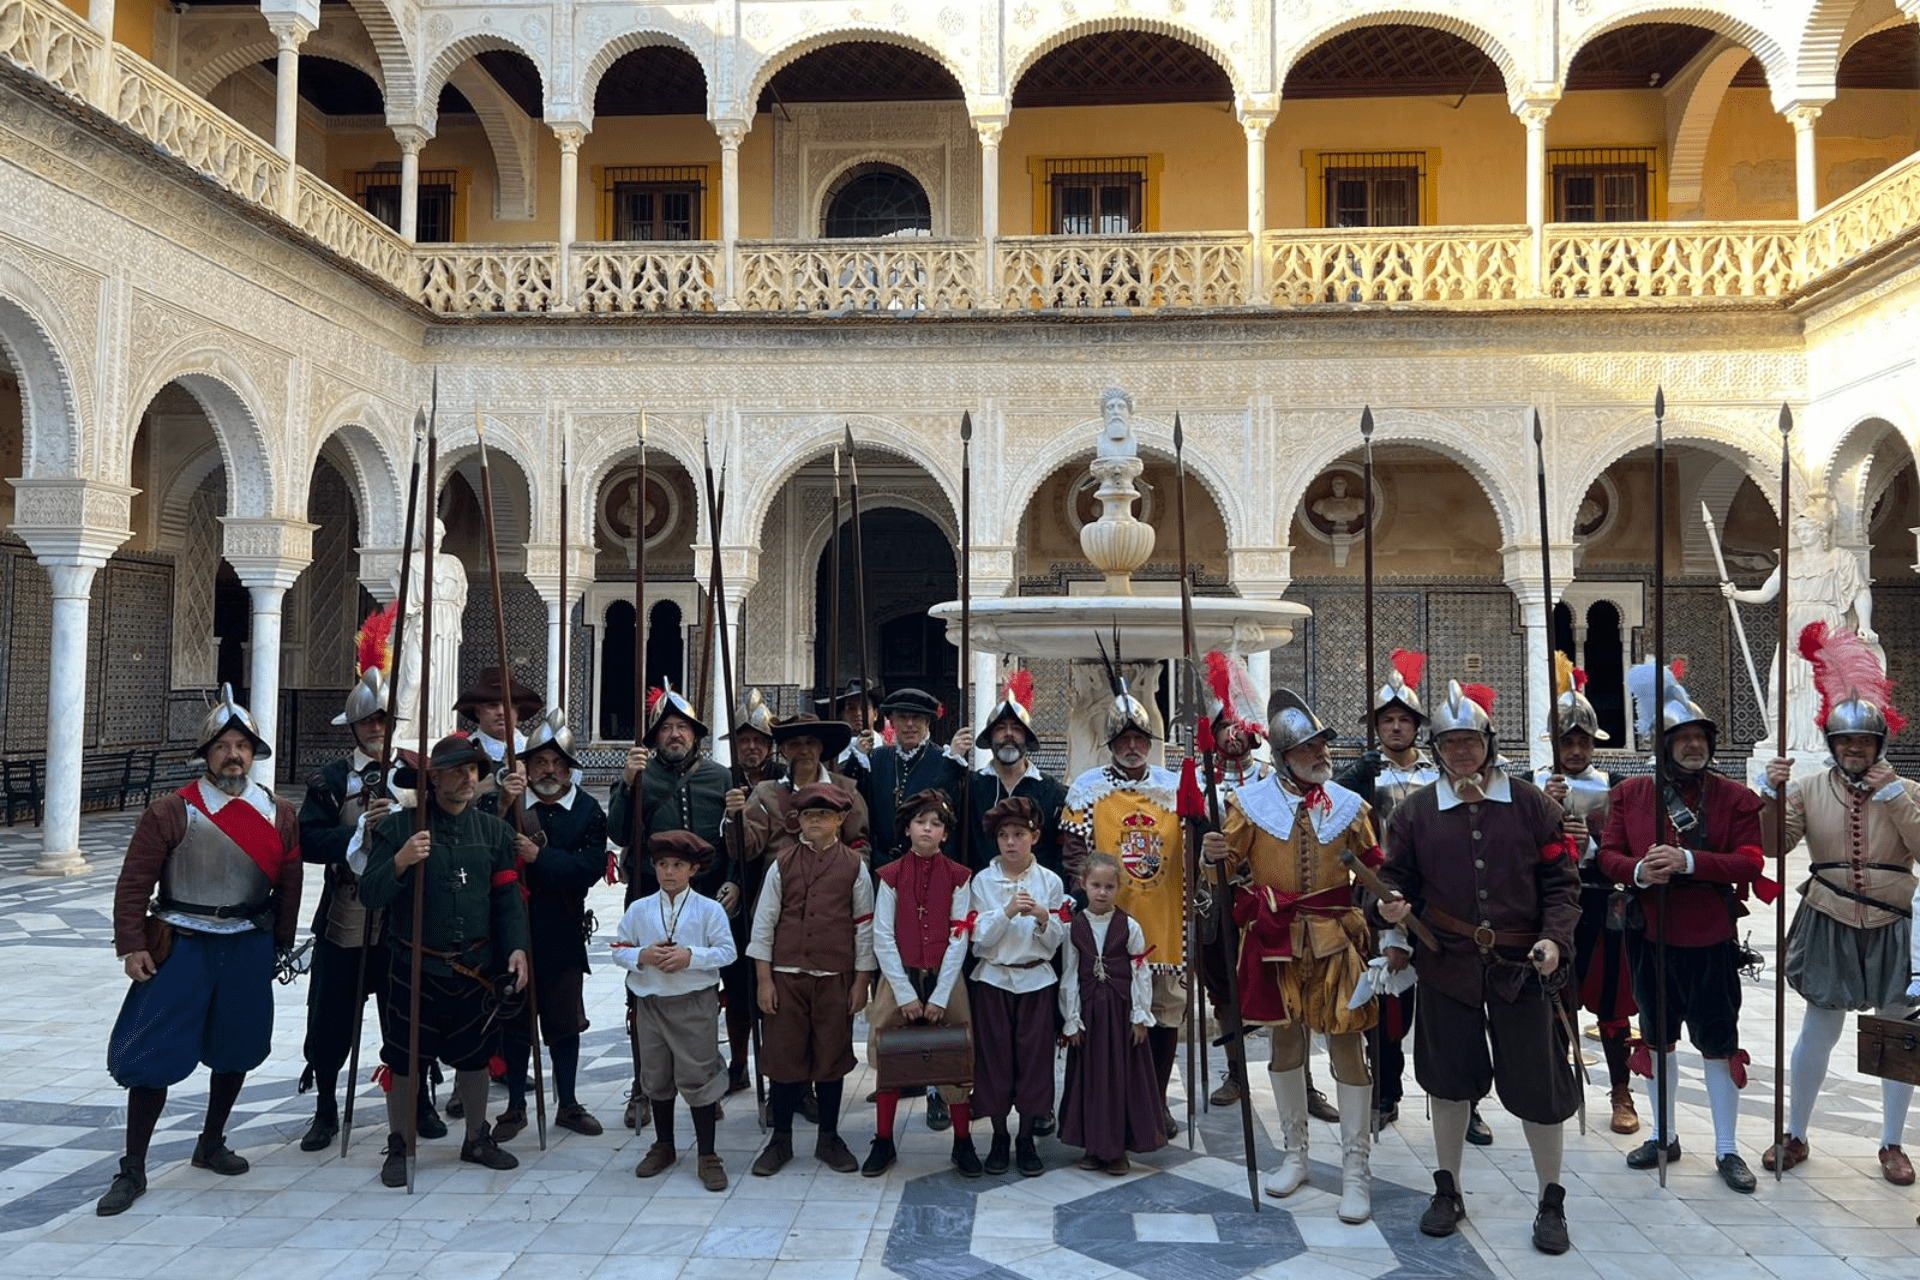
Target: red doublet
{"type": "Point", "coordinates": [923, 906]}
{"type": "Point", "coordinates": [1699, 913]}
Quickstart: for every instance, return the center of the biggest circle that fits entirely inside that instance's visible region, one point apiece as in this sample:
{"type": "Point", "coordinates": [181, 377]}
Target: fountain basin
{"type": "Point", "coordinates": [1150, 626]}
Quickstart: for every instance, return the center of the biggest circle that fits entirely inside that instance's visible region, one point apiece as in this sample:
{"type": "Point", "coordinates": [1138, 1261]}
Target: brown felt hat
{"type": "Point", "coordinates": [1013, 809]}
{"type": "Point", "coordinates": [684, 845]}
{"type": "Point", "coordinates": [822, 795]}
{"type": "Point", "coordinates": [834, 735]}
{"type": "Point", "coordinates": [932, 799]}
{"type": "Point", "coordinates": [486, 688]}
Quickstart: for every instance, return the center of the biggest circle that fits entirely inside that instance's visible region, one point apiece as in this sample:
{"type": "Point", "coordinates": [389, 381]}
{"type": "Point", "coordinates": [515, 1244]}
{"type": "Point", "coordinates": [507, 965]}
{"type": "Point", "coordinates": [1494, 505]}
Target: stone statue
{"type": "Point", "coordinates": [1339, 510]}
{"type": "Point", "coordinates": [1827, 585]}
{"type": "Point", "coordinates": [449, 604]}
{"type": "Point", "coordinates": [1116, 435]}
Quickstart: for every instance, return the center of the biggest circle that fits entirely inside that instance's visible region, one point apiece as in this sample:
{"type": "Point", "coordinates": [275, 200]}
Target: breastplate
{"type": "Point", "coordinates": [208, 869]}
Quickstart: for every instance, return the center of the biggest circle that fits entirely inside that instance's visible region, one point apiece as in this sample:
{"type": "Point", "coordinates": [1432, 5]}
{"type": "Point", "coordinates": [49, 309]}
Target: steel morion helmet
{"type": "Point", "coordinates": [367, 698]}
{"type": "Point", "coordinates": [1571, 709]}
{"type": "Point", "coordinates": [1408, 666]}
{"type": "Point", "coordinates": [552, 733]}
{"type": "Point", "coordinates": [755, 716]}
{"type": "Point", "coordinates": [1016, 704]}
{"type": "Point", "coordinates": [228, 714]}
{"type": "Point", "coordinates": [666, 701]}
{"type": "Point", "coordinates": [1291, 722]}
{"type": "Point", "coordinates": [1125, 711]}
{"type": "Point", "coordinates": [1468, 708]}
{"type": "Point", "coordinates": [1855, 694]}
{"type": "Point", "coordinates": [1676, 705]}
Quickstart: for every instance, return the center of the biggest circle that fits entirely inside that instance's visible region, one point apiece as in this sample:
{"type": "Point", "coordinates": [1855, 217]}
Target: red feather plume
{"type": "Point", "coordinates": [1580, 679]}
{"type": "Point", "coordinates": [1234, 690]}
{"type": "Point", "coordinates": [653, 698]}
{"type": "Point", "coordinates": [1411, 664]}
{"type": "Point", "coordinates": [1481, 694]}
{"type": "Point", "coordinates": [373, 647]}
{"type": "Point", "coordinates": [1679, 668]}
{"type": "Point", "coordinates": [1020, 688]}
{"type": "Point", "coordinates": [1844, 666]}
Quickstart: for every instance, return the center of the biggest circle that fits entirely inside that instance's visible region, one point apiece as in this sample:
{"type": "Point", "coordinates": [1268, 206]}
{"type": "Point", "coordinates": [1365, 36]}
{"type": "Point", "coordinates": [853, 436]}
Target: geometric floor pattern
{"type": "Point", "coordinates": [575, 1209]}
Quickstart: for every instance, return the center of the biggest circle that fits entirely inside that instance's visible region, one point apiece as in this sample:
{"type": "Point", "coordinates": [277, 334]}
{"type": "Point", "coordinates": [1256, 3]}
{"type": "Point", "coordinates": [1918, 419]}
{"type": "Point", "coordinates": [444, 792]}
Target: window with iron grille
{"type": "Point", "coordinates": [654, 202]}
{"type": "Point", "coordinates": [378, 191]}
{"type": "Point", "coordinates": [1601, 184]}
{"type": "Point", "coordinates": [1372, 188]}
{"type": "Point", "coordinates": [1097, 196]}
{"type": "Point", "coordinates": [874, 200]}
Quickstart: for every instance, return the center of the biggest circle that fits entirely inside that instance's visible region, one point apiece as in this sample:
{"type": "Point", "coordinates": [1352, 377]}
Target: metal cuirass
{"type": "Point", "coordinates": [1395, 784]}
{"type": "Point", "coordinates": [207, 869]}
{"type": "Point", "coordinates": [1587, 796]}
{"type": "Point", "coordinates": [347, 924]}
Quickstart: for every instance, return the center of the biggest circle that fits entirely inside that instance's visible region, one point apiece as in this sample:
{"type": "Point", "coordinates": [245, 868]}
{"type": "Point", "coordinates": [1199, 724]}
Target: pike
{"type": "Point", "coordinates": [736, 838]}
{"type": "Point", "coordinates": [421, 799]}
{"type": "Point", "coordinates": [1662, 1101]}
{"type": "Point", "coordinates": [966, 630]}
{"type": "Point", "coordinates": [516, 812]}
{"type": "Point", "coordinates": [1733, 608]}
{"type": "Point", "coordinates": [1233, 1031]}
{"type": "Point", "coordinates": [637, 837]}
{"type": "Point", "coordinates": [833, 623]}
{"type": "Point", "coordinates": [860, 583]}
{"type": "Point", "coordinates": [560, 683]}
{"type": "Point", "coordinates": [1780, 810]}
{"type": "Point", "coordinates": [386, 751]}
{"type": "Point", "coordinates": [1374, 1046]}
{"type": "Point", "coordinates": [1563, 1000]}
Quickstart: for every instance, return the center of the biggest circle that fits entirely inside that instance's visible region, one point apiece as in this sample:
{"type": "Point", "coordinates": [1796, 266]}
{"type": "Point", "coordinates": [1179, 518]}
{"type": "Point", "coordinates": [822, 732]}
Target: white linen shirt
{"type": "Point", "coordinates": [1001, 941]}
{"type": "Point", "coordinates": [1142, 986]}
{"type": "Point", "coordinates": [701, 928]}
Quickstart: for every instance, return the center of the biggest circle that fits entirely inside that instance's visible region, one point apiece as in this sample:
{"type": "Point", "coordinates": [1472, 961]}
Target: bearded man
{"type": "Point", "coordinates": [1012, 771]}
{"type": "Point", "coordinates": [224, 854]}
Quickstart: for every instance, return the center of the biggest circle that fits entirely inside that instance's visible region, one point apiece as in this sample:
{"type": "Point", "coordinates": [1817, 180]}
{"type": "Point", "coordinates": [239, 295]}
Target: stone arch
{"type": "Point", "coordinates": [606, 454]}
{"type": "Point", "coordinates": [1634, 430]}
{"type": "Point", "coordinates": [1335, 437]}
{"type": "Point", "coordinates": [516, 506]}
{"type": "Point", "coordinates": [227, 396]}
{"type": "Point", "coordinates": [930, 182]}
{"type": "Point", "coordinates": [510, 133]}
{"type": "Point", "coordinates": [815, 534]}
{"type": "Point", "coordinates": [211, 74]}
{"type": "Point", "coordinates": [781, 56]}
{"type": "Point", "coordinates": [814, 436]}
{"type": "Point", "coordinates": [1774, 58]}
{"type": "Point", "coordinates": [49, 398]}
{"type": "Point", "coordinates": [1833, 27]}
{"type": "Point", "coordinates": [1155, 438]}
{"type": "Point", "coordinates": [1689, 134]}
{"type": "Point", "coordinates": [1186, 33]}
{"type": "Point", "coordinates": [375, 476]}
{"type": "Point", "coordinates": [170, 529]}
{"type": "Point", "coordinates": [1438, 18]}
{"type": "Point", "coordinates": [451, 57]}
{"type": "Point", "coordinates": [668, 35]}
{"type": "Point", "coordinates": [399, 76]}
{"type": "Point", "coordinates": [1846, 472]}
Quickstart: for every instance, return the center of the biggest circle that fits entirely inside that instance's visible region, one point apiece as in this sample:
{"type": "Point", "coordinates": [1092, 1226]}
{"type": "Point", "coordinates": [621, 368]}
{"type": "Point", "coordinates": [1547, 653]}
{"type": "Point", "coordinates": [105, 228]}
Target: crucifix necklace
{"type": "Point", "coordinates": [670, 924]}
{"type": "Point", "coordinates": [462, 873]}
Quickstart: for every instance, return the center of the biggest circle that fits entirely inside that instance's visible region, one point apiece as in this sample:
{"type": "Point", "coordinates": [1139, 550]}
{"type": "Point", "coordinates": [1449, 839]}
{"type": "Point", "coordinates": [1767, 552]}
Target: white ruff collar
{"type": "Point", "coordinates": [1272, 808]}
{"type": "Point", "coordinates": [1096, 785]}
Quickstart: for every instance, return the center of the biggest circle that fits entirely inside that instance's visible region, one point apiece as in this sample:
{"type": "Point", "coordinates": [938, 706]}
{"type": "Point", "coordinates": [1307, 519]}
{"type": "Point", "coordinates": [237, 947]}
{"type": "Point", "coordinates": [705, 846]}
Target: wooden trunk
{"type": "Point", "coordinates": [917, 1055]}
{"type": "Point", "coordinates": [1890, 1047]}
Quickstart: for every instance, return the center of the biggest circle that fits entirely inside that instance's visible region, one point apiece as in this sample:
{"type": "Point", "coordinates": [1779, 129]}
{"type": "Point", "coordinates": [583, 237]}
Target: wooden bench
{"type": "Point", "coordinates": [21, 789]}
{"type": "Point", "coordinates": [113, 778]}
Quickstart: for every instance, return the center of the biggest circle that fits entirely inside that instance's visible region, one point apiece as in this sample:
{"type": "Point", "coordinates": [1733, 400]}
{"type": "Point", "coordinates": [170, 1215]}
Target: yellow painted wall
{"type": "Point", "coordinates": [133, 24]}
{"type": "Point", "coordinates": [1481, 177]}
{"type": "Point", "coordinates": [1863, 131]}
{"type": "Point", "coordinates": [1204, 181]}
{"type": "Point", "coordinates": [1749, 166]}
{"type": "Point", "coordinates": [647, 140]}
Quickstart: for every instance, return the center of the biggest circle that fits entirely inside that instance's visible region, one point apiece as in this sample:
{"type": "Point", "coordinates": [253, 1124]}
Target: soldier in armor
{"type": "Point", "coordinates": [1599, 953]}
{"type": "Point", "coordinates": [1384, 776]}
{"type": "Point", "coordinates": [754, 762]}
{"type": "Point", "coordinates": [680, 790]}
{"type": "Point", "coordinates": [1701, 840]}
{"type": "Point", "coordinates": [1303, 942]}
{"type": "Point", "coordinates": [1849, 944]}
{"type": "Point", "coordinates": [224, 855]}
{"type": "Point", "coordinates": [1127, 808]}
{"type": "Point", "coordinates": [751, 741]}
{"type": "Point", "coordinates": [560, 852]}
{"type": "Point", "coordinates": [911, 763]}
{"type": "Point", "coordinates": [1481, 856]}
{"type": "Point", "coordinates": [1011, 771]}
{"type": "Point", "coordinates": [347, 795]}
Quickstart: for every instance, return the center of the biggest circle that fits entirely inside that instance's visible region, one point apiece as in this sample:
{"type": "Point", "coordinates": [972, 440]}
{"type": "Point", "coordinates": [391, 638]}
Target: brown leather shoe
{"type": "Point", "coordinates": [713, 1173]}
{"type": "Point", "coordinates": [579, 1120]}
{"type": "Point", "coordinates": [659, 1158]}
{"type": "Point", "coordinates": [1796, 1154]}
{"type": "Point", "coordinates": [1894, 1163]}
{"type": "Point", "coordinates": [511, 1124]}
{"type": "Point", "coordinates": [1625, 1118]}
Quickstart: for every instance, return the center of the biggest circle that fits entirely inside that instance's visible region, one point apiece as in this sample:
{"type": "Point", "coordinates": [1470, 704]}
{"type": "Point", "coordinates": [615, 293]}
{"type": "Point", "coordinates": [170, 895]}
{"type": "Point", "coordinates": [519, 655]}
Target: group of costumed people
{"type": "Point", "coordinates": [826, 872]}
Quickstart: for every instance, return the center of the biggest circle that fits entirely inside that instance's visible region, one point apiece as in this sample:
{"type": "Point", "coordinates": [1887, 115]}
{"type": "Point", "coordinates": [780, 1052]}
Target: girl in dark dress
{"type": "Point", "coordinates": [1106, 1005]}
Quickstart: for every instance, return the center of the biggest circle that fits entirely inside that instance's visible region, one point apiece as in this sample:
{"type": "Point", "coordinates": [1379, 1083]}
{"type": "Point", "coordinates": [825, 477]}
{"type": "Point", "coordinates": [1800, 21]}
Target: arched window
{"type": "Point", "coordinates": [877, 200]}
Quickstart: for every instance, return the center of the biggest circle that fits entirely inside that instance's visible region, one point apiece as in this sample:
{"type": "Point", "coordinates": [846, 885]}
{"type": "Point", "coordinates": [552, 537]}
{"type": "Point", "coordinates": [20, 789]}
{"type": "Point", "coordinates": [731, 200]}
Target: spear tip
{"type": "Point", "coordinates": [1539, 436]}
{"type": "Point", "coordinates": [420, 421]}
{"type": "Point", "coordinates": [643, 428]}
{"type": "Point", "coordinates": [1366, 422]}
{"type": "Point", "coordinates": [1179, 433]}
{"type": "Point", "coordinates": [1786, 418]}
{"type": "Point", "coordinates": [966, 426]}
{"type": "Point", "coordinates": [1659, 402]}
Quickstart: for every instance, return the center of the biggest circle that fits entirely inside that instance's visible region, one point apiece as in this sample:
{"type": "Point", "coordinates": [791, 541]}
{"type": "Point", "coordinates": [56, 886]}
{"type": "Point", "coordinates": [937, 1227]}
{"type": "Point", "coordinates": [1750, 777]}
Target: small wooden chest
{"type": "Point", "coordinates": [1890, 1047]}
{"type": "Point", "coordinates": [917, 1055]}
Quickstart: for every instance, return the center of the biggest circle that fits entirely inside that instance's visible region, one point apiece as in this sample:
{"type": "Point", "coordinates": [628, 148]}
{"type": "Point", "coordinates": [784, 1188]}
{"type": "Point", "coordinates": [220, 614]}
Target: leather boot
{"type": "Point", "coordinates": [1625, 1118]}
{"type": "Point", "coordinates": [1356, 1182]}
{"type": "Point", "coordinates": [1290, 1092]}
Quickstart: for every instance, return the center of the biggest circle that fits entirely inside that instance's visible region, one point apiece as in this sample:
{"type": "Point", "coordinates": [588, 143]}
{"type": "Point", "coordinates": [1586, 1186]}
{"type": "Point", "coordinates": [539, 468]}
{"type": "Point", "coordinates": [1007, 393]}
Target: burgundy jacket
{"type": "Point", "coordinates": [1701, 912]}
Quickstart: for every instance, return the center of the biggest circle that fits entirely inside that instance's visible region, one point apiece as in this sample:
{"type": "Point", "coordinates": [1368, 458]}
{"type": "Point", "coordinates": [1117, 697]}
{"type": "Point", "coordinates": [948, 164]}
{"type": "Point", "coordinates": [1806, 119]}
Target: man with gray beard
{"type": "Point", "coordinates": [224, 854]}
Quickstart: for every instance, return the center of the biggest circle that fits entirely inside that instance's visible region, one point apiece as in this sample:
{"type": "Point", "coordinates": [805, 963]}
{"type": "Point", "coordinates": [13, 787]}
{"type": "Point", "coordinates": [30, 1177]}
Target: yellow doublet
{"type": "Point", "coordinates": [1141, 829]}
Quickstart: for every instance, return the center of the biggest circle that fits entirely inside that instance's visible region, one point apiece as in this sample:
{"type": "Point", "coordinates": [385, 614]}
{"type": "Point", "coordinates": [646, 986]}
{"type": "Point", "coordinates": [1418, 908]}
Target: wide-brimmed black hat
{"type": "Point", "coordinates": [834, 735]}
{"type": "Point", "coordinates": [487, 687]}
{"type": "Point", "coordinates": [856, 688]}
{"type": "Point", "coordinates": [450, 752]}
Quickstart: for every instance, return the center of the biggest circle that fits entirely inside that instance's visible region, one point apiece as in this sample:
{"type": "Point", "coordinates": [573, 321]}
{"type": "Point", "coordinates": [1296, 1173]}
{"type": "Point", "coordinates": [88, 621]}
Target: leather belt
{"type": "Point", "coordinates": [1482, 936]}
{"type": "Point", "coordinates": [1020, 964]}
{"type": "Point", "coordinates": [245, 911]}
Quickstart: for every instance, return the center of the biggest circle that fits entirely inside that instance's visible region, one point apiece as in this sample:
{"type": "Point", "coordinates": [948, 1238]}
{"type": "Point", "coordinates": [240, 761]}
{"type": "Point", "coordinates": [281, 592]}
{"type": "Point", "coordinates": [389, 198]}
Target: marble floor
{"type": "Point", "coordinates": [576, 1209]}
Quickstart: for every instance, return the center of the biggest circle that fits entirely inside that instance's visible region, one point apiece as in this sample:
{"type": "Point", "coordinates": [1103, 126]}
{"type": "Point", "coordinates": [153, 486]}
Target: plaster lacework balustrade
{"type": "Point", "coordinates": [483, 279]}
{"type": "Point", "coordinates": [1660, 260]}
{"type": "Point", "coordinates": [160, 109]}
{"type": "Point", "coordinates": [1148, 272]}
{"type": "Point", "coordinates": [1416, 264]}
{"type": "Point", "coordinates": [907, 275]}
{"type": "Point", "coordinates": [53, 42]}
{"type": "Point", "coordinates": [1863, 220]}
{"type": "Point", "coordinates": [338, 223]}
{"type": "Point", "coordinates": [629, 279]}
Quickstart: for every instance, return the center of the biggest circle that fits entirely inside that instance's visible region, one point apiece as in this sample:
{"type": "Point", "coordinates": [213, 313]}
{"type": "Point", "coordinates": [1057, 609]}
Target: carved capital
{"type": "Point", "coordinates": [290, 30]}
{"type": "Point", "coordinates": [989, 130]}
{"type": "Point", "coordinates": [1534, 115]}
{"type": "Point", "coordinates": [1261, 572]}
{"type": "Point", "coordinates": [266, 551]}
{"type": "Point", "coordinates": [732, 133]}
{"type": "Point", "coordinates": [68, 521]}
{"type": "Point", "coordinates": [411, 137]}
{"type": "Point", "coordinates": [570, 135]}
{"type": "Point", "coordinates": [1255, 121]}
{"type": "Point", "coordinates": [1802, 115]}
{"type": "Point", "coordinates": [543, 570]}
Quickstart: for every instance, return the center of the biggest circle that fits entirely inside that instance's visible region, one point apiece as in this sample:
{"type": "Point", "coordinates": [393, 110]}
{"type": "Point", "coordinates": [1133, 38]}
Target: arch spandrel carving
{"type": "Point", "coordinates": [483, 35]}
{"type": "Point", "coordinates": [377, 477]}
{"type": "Point", "coordinates": [805, 438]}
{"type": "Point", "coordinates": [600, 49]}
{"type": "Point", "coordinates": [228, 393]}
{"type": "Point", "coordinates": [39, 347]}
{"type": "Point", "coordinates": [1592, 440]}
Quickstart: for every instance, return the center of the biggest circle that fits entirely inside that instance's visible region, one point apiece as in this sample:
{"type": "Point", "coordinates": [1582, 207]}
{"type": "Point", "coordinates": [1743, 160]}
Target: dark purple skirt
{"type": "Point", "coordinates": [1112, 1104]}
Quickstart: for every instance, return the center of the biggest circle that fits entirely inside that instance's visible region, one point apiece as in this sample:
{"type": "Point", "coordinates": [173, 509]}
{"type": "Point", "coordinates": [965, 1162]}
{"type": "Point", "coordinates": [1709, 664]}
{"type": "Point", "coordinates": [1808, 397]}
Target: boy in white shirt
{"type": "Point", "coordinates": [673, 945]}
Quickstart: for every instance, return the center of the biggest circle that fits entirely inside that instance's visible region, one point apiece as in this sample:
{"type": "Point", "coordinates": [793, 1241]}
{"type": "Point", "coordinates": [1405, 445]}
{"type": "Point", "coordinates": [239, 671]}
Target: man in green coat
{"type": "Point", "coordinates": [474, 929]}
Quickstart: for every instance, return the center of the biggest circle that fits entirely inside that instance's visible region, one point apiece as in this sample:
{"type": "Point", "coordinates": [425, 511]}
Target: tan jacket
{"type": "Point", "coordinates": [1877, 840]}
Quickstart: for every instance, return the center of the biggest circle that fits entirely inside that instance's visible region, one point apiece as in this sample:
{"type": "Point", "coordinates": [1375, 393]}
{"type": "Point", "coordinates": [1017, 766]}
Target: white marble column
{"type": "Point", "coordinates": [732, 133]}
{"type": "Point", "coordinates": [412, 139]}
{"type": "Point", "coordinates": [570, 136]}
{"type": "Point", "coordinates": [268, 555]}
{"type": "Point", "coordinates": [1534, 117]}
{"type": "Point", "coordinates": [989, 131]}
{"type": "Point", "coordinates": [289, 34]}
{"type": "Point", "coordinates": [66, 715]}
{"type": "Point", "coordinates": [1255, 127]}
{"type": "Point", "coordinates": [1806, 171]}
{"type": "Point", "coordinates": [100, 14]}
{"type": "Point", "coordinates": [1539, 697]}
{"type": "Point", "coordinates": [552, 690]}
{"type": "Point", "coordinates": [543, 573]}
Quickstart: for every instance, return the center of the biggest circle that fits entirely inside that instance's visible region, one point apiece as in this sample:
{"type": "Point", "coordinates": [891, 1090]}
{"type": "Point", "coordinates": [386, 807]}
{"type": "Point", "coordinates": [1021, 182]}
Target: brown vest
{"type": "Point", "coordinates": [815, 929]}
{"type": "Point", "coordinates": [925, 909]}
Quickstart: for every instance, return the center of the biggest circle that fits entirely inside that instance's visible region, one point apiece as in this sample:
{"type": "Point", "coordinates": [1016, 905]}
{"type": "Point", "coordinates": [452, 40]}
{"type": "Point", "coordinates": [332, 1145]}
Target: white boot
{"type": "Point", "coordinates": [1356, 1181]}
{"type": "Point", "coordinates": [1290, 1091]}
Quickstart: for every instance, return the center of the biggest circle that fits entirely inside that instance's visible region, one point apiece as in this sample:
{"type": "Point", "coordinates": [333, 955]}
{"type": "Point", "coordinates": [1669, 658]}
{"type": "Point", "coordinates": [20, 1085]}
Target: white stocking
{"type": "Point", "coordinates": [1807, 1071]}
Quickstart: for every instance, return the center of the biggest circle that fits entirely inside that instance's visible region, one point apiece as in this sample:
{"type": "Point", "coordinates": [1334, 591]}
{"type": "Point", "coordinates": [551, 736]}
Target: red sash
{"type": "Point", "coordinates": [257, 835]}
